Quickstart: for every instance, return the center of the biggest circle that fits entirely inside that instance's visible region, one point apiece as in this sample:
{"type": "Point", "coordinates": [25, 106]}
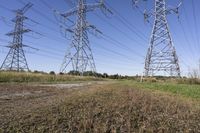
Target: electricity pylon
{"type": "Point", "coordinates": [79, 53]}
{"type": "Point", "coordinates": [161, 58]}
{"type": "Point", "coordinates": [15, 59]}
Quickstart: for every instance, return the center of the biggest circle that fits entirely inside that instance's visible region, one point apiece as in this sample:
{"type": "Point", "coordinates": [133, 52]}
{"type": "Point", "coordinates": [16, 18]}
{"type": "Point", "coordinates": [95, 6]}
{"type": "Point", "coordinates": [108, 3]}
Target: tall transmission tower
{"type": "Point", "coordinates": [79, 54]}
{"type": "Point", "coordinates": [15, 59]}
{"type": "Point", "coordinates": [161, 58]}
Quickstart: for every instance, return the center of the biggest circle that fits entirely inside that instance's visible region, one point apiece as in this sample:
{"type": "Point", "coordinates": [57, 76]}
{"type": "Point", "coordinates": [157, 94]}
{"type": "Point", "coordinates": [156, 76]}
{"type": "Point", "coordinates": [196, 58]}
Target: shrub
{"type": "Point", "coordinates": [52, 73]}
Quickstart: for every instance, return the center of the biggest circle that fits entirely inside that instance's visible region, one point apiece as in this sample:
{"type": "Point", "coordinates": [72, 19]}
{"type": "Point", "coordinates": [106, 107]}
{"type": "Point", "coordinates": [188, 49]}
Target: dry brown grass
{"type": "Point", "coordinates": [99, 108]}
{"type": "Point", "coordinates": [27, 77]}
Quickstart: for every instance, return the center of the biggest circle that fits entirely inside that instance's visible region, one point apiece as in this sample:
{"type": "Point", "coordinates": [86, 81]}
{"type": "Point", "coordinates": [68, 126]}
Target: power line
{"type": "Point", "coordinates": [119, 44]}
{"type": "Point", "coordinates": [15, 59]}
{"type": "Point", "coordinates": [4, 7]}
{"type": "Point", "coordinates": [113, 40]}
{"type": "Point", "coordinates": [114, 52]}
{"type": "Point", "coordinates": [194, 52]}
{"type": "Point", "coordinates": [52, 9]}
{"type": "Point", "coordinates": [69, 3]}
{"type": "Point", "coordinates": [187, 41]}
{"type": "Point", "coordinates": [195, 23]}
{"type": "Point", "coordinates": [45, 26]}
{"type": "Point", "coordinates": [129, 25]}
{"type": "Point", "coordinates": [121, 31]}
{"type": "Point", "coordinates": [107, 37]}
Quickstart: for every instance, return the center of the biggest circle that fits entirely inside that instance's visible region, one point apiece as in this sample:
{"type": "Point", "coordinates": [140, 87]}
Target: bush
{"type": "Point", "coordinates": [52, 73]}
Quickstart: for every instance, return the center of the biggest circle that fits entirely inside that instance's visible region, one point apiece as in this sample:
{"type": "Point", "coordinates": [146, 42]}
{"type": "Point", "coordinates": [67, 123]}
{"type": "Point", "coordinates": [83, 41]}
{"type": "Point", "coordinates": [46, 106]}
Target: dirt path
{"type": "Point", "coordinates": [18, 100]}
{"type": "Point", "coordinates": [13, 92]}
{"type": "Point", "coordinates": [77, 85]}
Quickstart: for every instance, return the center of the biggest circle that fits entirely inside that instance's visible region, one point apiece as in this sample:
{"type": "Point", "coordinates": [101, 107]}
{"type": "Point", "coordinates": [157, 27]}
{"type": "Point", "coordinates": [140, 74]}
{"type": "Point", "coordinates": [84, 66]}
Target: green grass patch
{"type": "Point", "coordinates": [187, 90]}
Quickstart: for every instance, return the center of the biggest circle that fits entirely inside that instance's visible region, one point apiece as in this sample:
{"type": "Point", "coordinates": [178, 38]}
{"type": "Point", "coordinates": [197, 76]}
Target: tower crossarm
{"type": "Point", "coordinates": [18, 32]}
{"type": "Point", "coordinates": [87, 8]}
{"type": "Point", "coordinates": [70, 13]}
{"type": "Point", "coordinates": [93, 29]}
{"type": "Point", "coordinates": [171, 10]}
{"type": "Point", "coordinates": [167, 11]}
{"type": "Point", "coordinates": [101, 5]}
{"type": "Point", "coordinates": [25, 8]}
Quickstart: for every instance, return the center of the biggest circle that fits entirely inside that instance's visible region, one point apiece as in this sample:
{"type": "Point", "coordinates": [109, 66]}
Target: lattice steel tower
{"type": "Point", "coordinates": [15, 59]}
{"type": "Point", "coordinates": [80, 54]}
{"type": "Point", "coordinates": [161, 58]}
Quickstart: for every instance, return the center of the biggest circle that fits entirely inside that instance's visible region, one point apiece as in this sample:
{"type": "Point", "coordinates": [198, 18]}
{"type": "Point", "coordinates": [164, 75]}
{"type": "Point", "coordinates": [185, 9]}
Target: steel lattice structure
{"type": "Point", "coordinates": [161, 58]}
{"type": "Point", "coordinates": [15, 59]}
{"type": "Point", "coordinates": [80, 54]}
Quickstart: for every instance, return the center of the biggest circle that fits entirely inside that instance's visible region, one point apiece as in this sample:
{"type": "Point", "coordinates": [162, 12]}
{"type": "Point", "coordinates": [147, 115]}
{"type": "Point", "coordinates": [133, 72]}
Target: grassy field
{"type": "Point", "coordinates": [110, 107]}
{"type": "Point", "coordinates": [186, 90]}
{"type": "Point", "coordinates": [8, 77]}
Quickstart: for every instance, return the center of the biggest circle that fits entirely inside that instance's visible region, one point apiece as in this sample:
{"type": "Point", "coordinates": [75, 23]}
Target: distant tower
{"type": "Point", "coordinates": [15, 59]}
{"type": "Point", "coordinates": [161, 58]}
{"type": "Point", "coordinates": [80, 54]}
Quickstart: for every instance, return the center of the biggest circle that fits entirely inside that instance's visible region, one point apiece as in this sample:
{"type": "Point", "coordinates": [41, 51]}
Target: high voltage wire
{"type": "Point", "coordinates": [16, 59]}
{"type": "Point", "coordinates": [45, 35]}
{"type": "Point", "coordinates": [43, 25]}
{"type": "Point", "coordinates": [187, 41]}
{"type": "Point", "coordinates": [52, 53]}
{"type": "Point", "coordinates": [126, 63]}
{"type": "Point", "coordinates": [119, 44]}
{"type": "Point", "coordinates": [105, 37]}
{"type": "Point", "coordinates": [182, 47]}
{"type": "Point", "coordinates": [114, 39]}
{"type": "Point", "coordinates": [52, 9]}
{"type": "Point", "coordinates": [129, 25]}
{"type": "Point", "coordinates": [46, 17]}
{"type": "Point", "coordinates": [195, 23]}
{"type": "Point", "coordinates": [58, 54]}
{"type": "Point", "coordinates": [40, 13]}
{"type": "Point", "coordinates": [116, 43]}
{"type": "Point", "coordinates": [119, 29]}
{"type": "Point", "coordinates": [4, 7]}
{"type": "Point", "coordinates": [69, 2]}
{"type": "Point", "coordinates": [187, 21]}
{"type": "Point", "coordinates": [127, 48]}
{"type": "Point", "coordinates": [194, 44]}
{"type": "Point", "coordinates": [40, 50]}
{"type": "Point", "coordinates": [115, 66]}
{"type": "Point", "coordinates": [116, 53]}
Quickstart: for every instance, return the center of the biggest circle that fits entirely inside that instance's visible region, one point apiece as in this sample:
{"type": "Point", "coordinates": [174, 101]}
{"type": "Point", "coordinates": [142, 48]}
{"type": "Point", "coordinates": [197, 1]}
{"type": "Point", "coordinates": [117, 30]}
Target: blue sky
{"type": "Point", "coordinates": [127, 59]}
